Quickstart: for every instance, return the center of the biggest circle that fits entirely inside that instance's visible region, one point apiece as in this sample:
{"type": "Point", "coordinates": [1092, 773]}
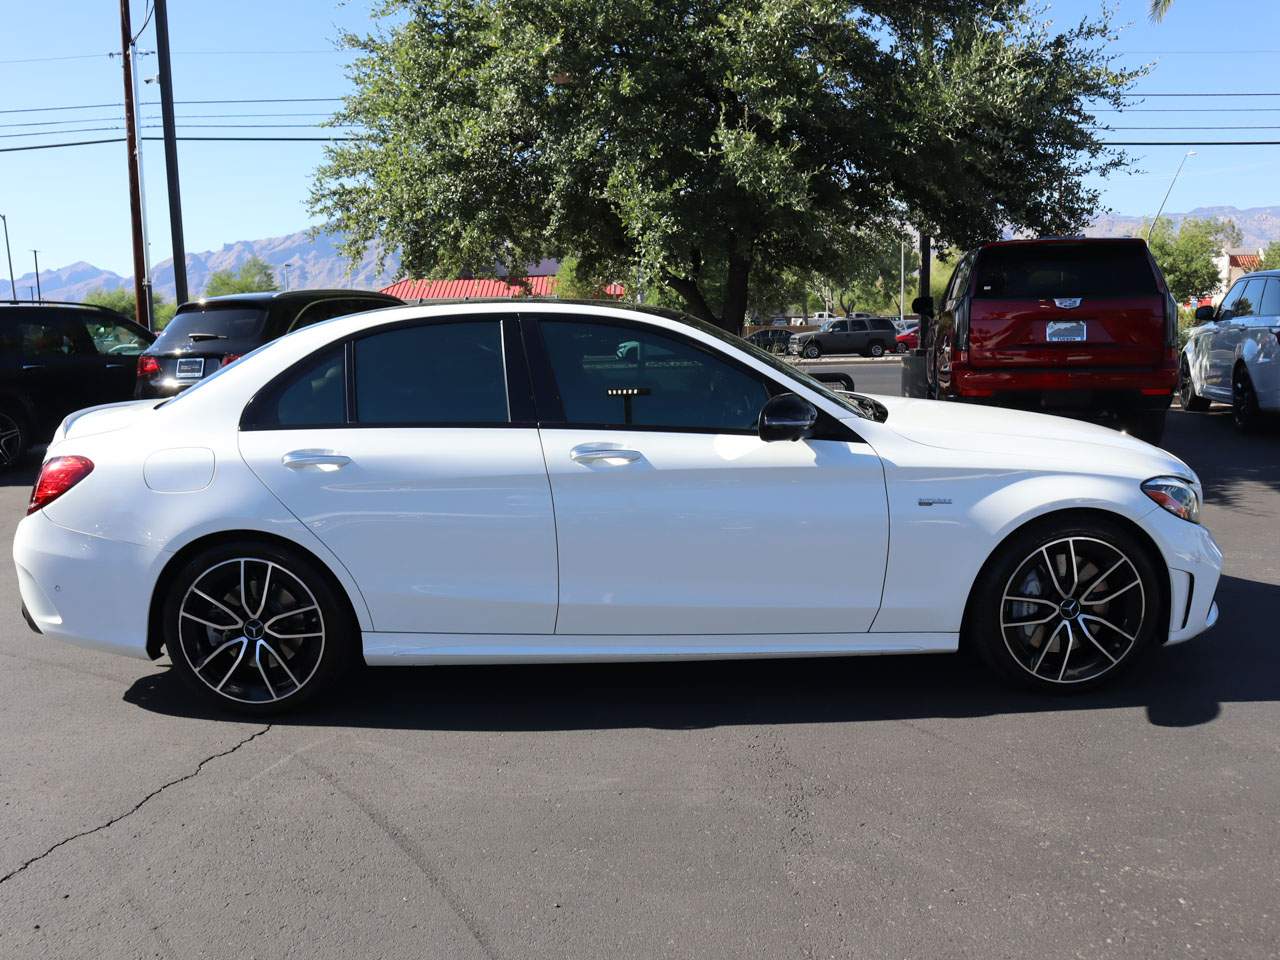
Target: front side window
{"type": "Point", "coordinates": [54, 338]}
{"type": "Point", "coordinates": [434, 374]}
{"type": "Point", "coordinates": [1250, 298]}
{"type": "Point", "coordinates": [1229, 301]}
{"type": "Point", "coordinates": [622, 376]}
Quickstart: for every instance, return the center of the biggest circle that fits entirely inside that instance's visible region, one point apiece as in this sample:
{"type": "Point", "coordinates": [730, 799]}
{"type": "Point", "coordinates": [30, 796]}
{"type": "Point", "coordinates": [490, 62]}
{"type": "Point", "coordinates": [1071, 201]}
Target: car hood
{"type": "Point", "coordinates": [103, 419]}
{"type": "Point", "coordinates": [1033, 437]}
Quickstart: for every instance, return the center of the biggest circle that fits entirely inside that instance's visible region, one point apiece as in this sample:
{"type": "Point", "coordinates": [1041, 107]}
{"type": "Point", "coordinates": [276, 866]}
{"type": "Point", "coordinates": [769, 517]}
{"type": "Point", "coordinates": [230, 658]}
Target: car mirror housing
{"type": "Point", "coordinates": [1204, 314]}
{"type": "Point", "coordinates": [787, 417]}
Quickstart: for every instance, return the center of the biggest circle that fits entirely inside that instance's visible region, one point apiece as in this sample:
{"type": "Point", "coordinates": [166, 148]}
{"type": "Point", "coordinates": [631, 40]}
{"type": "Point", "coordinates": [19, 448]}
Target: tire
{"type": "Point", "coordinates": [876, 349]}
{"type": "Point", "coordinates": [15, 436]}
{"type": "Point", "coordinates": [316, 646]}
{"type": "Point", "coordinates": [1146, 425]}
{"type": "Point", "coordinates": [1245, 413]}
{"type": "Point", "coordinates": [812, 351]}
{"type": "Point", "coordinates": [1192, 402]}
{"type": "Point", "coordinates": [902, 348]}
{"type": "Point", "coordinates": [1052, 636]}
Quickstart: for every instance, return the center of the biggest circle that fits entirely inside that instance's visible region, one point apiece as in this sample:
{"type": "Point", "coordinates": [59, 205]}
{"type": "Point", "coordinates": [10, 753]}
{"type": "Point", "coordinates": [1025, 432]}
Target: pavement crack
{"type": "Point", "coordinates": [137, 806]}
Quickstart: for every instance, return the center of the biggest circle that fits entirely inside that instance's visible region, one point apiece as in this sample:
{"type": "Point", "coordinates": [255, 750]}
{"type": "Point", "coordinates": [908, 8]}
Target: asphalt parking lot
{"type": "Point", "coordinates": [879, 807]}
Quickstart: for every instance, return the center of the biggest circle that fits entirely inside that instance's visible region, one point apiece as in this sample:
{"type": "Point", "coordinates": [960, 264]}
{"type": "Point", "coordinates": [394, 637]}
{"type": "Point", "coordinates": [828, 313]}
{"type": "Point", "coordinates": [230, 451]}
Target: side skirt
{"type": "Point", "coordinates": [387, 649]}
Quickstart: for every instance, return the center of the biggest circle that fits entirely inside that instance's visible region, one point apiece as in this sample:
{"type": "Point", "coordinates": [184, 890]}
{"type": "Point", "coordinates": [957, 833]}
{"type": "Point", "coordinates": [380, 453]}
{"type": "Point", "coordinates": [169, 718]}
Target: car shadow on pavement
{"type": "Point", "coordinates": [1233, 458]}
{"type": "Point", "coordinates": [1238, 661]}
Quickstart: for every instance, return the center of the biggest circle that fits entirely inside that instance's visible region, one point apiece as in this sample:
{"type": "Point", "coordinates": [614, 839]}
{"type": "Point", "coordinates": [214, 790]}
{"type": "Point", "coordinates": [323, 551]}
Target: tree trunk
{"type": "Point", "coordinates": [735, 293]}
{"type": "Point", "coordinates": [691, 293]}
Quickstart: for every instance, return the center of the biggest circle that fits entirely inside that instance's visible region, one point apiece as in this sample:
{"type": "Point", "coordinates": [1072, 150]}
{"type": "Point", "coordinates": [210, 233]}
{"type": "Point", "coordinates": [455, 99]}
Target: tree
{"type": "Point", "coordinates": [1271, 256]}
{"type": "Point", "coordinates": [254, 275]}
{"type": "Point", "coordinates": [1159, 9]}
{"type": "Point", "coordinates": [1186, 257]}
{"type": "Point", "coordinates": [715, 147]}
{"type": "Point", "coordinates": [122, 301]}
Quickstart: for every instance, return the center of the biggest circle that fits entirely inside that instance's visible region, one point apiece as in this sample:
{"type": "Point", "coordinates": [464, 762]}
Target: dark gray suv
{"type": "Point", "coordinates": [872, 337]}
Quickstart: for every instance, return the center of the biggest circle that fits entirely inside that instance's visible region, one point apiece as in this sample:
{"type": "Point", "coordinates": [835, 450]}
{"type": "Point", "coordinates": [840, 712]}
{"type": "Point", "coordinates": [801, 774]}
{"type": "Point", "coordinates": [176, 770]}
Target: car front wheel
{"type": "Point", "coordinates": [256, 628]}
{"type": "Point", "coordinates": [812, 351]}
{"type": "Point", "coordinates": [1066, 606]}
{"type": "Point", "coordinates": [1191, 401]}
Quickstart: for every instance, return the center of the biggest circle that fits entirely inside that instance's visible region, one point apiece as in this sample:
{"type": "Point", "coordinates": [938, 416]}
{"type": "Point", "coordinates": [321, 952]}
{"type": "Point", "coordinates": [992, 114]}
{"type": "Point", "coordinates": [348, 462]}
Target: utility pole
{"type": "Point", "coordinates": [902, 282]}
{"type": "Point", "coordinates": [142, 306]}
{"type": "Point", "coordinates": [134, 54]}
{"type": "Point", "coordinates": [36, 255]}
{"type": "Point", "coordinates": [926, 263]}
{"type": "Point", "coordinates": [13, 289]}
{"type": "Point", "coordinates": [161, 10]}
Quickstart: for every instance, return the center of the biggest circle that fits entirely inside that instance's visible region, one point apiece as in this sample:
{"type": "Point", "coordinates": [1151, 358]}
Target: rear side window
{"type": "Point", "coordinates": [54, 337]}
{"type": "Point", "coordinates": [1045, 271]}
{"type": "Point", "coordinates": [436, 374]}
{"type": "Point", "coordinates": [312, 395]}
{"type": "Point", "coordinates": [1250, 299]}
{"type": "Point", "coordinates": [213, 325]}
{"type": "Point", "coordinates": [858, 326]}
{"type": "Point", "coordinates": [882, 324]}
{"type": "Point", "coordinates": [1271, 298]}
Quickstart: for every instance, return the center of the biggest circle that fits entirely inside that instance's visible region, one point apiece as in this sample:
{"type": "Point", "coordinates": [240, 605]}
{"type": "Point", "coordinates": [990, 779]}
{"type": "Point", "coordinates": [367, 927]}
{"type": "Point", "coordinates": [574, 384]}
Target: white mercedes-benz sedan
{"type": "Point", "coordinates": [553, 481]}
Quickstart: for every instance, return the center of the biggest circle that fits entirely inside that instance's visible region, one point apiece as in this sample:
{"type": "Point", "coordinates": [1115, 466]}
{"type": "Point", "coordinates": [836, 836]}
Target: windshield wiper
{"type": "Point", "coordinates": [206, 336]}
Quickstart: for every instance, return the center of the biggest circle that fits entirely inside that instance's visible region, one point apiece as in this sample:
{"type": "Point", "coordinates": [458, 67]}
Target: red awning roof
{"type": "Point", "coordinates": [482, 288]}
{"type": "Point", "coordinates": [1246, 261]}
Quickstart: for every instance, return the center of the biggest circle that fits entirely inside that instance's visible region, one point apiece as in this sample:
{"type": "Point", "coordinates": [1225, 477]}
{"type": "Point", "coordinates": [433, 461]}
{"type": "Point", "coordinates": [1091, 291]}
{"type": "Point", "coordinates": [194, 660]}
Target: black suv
{"type": "Point", "coordinates": [56, 358]}
{"type": "Point", "coordinates": [871, 336]}
{"type": "Point", "coordinates": [207, 334]}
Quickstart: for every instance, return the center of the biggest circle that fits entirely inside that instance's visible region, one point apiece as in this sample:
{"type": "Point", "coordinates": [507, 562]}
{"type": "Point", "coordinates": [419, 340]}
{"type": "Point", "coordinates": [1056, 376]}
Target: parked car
{"type": "Point", "coordinates": [211, 333]}
{"type": "Point", "coordinates": [59, 357]}
{"type": "Point", "coordinates": [773, 339]}
{"type": "Point", "coordinates": [871, 336]}
{"type": "Point", "coordinates": [1233, 354]}
{"type": "Point", "coordinates": [1078, 326]}
{"type": "Point", "coordinates": [908, 339]}
{"type": "Point", "coordinates": [381, 488]}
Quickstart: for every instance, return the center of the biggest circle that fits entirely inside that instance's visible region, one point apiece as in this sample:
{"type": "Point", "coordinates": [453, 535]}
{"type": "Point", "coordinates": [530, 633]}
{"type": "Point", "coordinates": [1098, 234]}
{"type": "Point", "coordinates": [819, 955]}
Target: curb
{"type": "Point", "coordinates": [845, 359]}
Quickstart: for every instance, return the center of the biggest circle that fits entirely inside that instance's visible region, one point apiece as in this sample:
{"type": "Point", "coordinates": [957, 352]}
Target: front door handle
{"type": "Point", "coordinates": [324, 460]}
{"type": "Point", "coordinates": [603, 453]}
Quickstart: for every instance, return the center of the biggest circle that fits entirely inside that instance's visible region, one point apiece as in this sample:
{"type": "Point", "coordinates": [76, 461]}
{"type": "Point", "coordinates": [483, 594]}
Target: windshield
{"type": "Point", "coordinates": [1042, 271]}
{"type": "Point", "coordinates": [861, 407]}
{"type": "Point", "coordinates": [215, 323]}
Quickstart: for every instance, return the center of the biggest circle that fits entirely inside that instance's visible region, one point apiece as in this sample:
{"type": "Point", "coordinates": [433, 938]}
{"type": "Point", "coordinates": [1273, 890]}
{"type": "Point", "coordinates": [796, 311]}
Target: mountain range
{"type": "Point", "coordinates": [303, 260]}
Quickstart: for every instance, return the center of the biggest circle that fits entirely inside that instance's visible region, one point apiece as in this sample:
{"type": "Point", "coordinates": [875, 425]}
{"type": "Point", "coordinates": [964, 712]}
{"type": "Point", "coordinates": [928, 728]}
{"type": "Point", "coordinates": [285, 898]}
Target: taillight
{"type": "Point", "coordinates": [57, 476]}
{"type": "Point", "coordinates": [148, 366]}
{"type": "Point", "coordinates": [231, 358]}
{"type": "Point", "coordinates": [1170, 320]}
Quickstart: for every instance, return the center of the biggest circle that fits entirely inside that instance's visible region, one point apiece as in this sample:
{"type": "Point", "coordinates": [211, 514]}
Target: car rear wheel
{"type": "Point", "coordinates": [812, 351]}
{"type": "Point", "coordinates": [876, 349]}
{"type": "Point", "coordinates": [1245, 413]}
{"type": "Point", "coordinates": [1066, 606]}
{"type": "Point", "coordinates": [257, 628]}
{"type": "Point", "coordinates": [1191, 401]}
{"type": "Point", "coordinates": [13, 438]}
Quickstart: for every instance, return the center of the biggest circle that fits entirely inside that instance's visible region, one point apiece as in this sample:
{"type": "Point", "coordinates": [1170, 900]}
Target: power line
{"type": "Point", "coordinates": [57, 133]}
{"type": "Point", "coordinates": [79, 56]}
{"type": "Point", "coordinates": [85, 143]}
{"type": "Point", "coordinates": [1248, 127]}
{"type": "Point", "coordinates": [156, 103]}
{"type": "Point", "coordinates": [1191, 143]}
{"type": "Point", "coordinates": [1186, 109]}
{"type": "Point", "coordinates": [1141, 96]}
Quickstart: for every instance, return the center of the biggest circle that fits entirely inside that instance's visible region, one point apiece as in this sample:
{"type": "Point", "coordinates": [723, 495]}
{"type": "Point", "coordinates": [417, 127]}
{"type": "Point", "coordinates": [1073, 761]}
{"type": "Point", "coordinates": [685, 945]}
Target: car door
{"type": "Point", "coordinates": [60, 369]}
{"type": "Point", "coordinates": [658, 472]}
{"type": "Point", "coordinates": [117, 344]}
{"type": "Point", "coordinates": [858, 338]}
{"type": "Point", "coordinates": [403, 450]}
{"type": "Point", "coordinates": [1229, 332]}
{"type": "Point", "coordinates": [1202, 356]}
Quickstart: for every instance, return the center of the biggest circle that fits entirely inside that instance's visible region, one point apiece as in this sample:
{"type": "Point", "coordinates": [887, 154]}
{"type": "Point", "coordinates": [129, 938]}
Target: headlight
{"type": "Point", "coordinates": [1176, 495]}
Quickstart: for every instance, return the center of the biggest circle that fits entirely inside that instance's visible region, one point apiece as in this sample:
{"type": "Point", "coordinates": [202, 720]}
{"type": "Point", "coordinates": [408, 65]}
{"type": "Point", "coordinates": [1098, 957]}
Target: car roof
{"type": "Point", "coordinates": [1054, 241]}
{"type": "Point", "coordinates": [262, 297]}
{"type": "Point", "coordinates": [60, 305]}
{"type": "Point", "coordinates": [1260, 273]}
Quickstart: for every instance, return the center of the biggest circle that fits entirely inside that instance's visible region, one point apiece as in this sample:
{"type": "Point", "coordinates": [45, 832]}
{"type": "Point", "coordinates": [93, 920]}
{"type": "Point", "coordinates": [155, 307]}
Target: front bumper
{"type": "Point", "coordinates": [1195, 564]}
{"type": "Point", "coordinates": [83, 589]}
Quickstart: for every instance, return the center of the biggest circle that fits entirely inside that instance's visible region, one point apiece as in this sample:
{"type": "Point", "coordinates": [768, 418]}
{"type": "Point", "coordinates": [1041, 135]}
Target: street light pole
{"type": "Point", "coordinates": [13, 289]}
{"type": "Point", "coordinates": [36, 254]}
{"type": "Point", "coordinates": [1189, 153]}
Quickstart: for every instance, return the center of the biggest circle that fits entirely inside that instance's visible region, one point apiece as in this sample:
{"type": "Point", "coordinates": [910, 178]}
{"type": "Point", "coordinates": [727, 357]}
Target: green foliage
{"type": "Point", "coordinates": [721, 149]}
{"type": "Point", "coordinates": [122, 301]}
{"type": "Point", "coordinates": [1186, 256]}
{"type": "Point", "coordinates": [1271, 256]}
{"type": "Point", "coordinates": [573, 282]}
{"type": "Point", "coordinates": [254, 275]}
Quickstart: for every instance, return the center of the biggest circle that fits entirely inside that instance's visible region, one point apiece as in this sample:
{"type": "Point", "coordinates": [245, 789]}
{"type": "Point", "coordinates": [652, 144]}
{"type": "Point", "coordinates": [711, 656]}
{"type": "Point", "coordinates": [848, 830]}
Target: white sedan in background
{"type": "Point", "coordinates": [498, 482]}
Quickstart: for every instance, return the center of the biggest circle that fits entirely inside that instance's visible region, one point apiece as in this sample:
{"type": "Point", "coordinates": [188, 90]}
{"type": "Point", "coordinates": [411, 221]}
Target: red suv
{"type": "Point", "coordinates": [1074, 326]}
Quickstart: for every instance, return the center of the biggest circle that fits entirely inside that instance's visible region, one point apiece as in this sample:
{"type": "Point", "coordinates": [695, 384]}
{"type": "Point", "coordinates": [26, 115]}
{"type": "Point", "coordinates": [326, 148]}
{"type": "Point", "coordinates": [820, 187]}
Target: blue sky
{"type": "Point", "coordinates": [72, 204]}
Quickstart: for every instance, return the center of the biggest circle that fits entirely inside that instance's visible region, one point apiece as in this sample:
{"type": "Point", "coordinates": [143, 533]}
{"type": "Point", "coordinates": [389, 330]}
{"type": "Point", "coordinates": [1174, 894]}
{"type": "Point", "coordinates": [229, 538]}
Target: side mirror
{"type": "Point", "coordinates": [842, 381]}
{"type": "Point", "coordinates": [1204, 314]}
{"type": "Point", "coordinates": [922, 306]}
{"type": "Point", "coordinates": [787, 417]}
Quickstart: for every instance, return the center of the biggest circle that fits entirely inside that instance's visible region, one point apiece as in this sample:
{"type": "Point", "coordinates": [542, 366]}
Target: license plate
{"type": "Point", "coordinates": [191, 369]}
{"type": "Point", "coordinates": [1065, 331]}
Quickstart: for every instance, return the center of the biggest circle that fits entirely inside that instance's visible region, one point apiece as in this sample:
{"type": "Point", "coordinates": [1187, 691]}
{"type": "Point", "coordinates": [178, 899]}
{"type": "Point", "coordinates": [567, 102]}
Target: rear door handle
{"type": "Point", "coordinates": [320, 459]}
{"type": "Point", "coordinates": [603, 453]}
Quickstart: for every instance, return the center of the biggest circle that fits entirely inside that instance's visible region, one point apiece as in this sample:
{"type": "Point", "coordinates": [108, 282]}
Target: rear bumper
{"type": "Point", "coordinates": [1097, 389]}
{"type": "Point", "coordinates": [83, 589]}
